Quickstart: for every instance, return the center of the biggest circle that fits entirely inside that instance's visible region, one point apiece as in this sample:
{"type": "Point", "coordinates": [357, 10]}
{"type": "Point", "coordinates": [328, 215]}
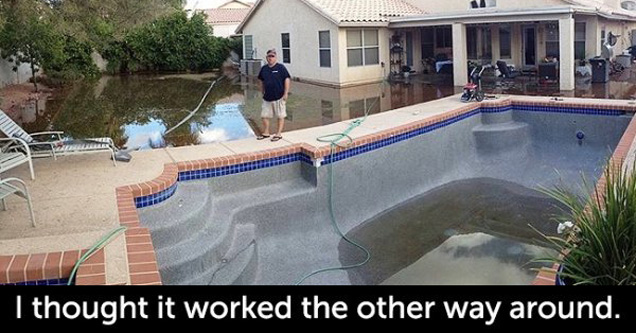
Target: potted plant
{"type": "Point", "coordinates": [598, 246]}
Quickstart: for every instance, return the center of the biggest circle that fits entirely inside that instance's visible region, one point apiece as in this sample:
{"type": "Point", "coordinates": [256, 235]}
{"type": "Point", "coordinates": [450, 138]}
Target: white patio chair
{"type": "Point", "coordinates": [59, 147]}
{"type": "Point", "coordinates": [11, 158]}
{"type": "Point", "coordinates": [7, 189]}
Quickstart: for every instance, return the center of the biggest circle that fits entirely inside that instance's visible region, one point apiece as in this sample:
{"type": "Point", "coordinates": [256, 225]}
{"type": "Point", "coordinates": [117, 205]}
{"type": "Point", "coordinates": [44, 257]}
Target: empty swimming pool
{"type": "Point", "coordinates": [447, 202]}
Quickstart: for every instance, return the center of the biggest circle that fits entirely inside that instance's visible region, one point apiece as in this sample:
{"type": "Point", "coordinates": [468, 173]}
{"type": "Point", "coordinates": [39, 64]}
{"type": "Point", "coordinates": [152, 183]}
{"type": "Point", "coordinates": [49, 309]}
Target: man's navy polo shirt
{"type": "Point", "coordinates": [273, 81]}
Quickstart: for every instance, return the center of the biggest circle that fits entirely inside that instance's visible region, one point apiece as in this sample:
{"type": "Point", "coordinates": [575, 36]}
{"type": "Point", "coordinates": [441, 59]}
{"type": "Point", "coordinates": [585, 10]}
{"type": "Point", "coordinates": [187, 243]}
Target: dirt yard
{"type": "Point", "coordinates": [13, 97]}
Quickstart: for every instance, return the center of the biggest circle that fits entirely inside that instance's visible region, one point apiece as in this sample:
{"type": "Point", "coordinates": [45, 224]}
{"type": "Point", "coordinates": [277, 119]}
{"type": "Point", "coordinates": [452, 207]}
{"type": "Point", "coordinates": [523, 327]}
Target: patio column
{"type": "Point", "coordinates": [460, 56]}
{"type": "Point", "coordinates": [566, 48]}
{"type": "Point", "coordinates": [495, 40]}
{"type": "Point", "coordinates": [592, 38]}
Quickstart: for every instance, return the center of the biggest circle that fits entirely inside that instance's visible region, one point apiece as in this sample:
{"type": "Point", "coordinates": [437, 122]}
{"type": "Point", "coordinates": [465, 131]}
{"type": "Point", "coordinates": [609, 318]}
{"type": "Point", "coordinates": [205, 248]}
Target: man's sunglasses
{"type": "Point", "coordinates": [271, 56]}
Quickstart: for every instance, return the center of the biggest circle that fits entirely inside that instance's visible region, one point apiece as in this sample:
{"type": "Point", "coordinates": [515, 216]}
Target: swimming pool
{"type": "Point", "coordinates": [413, 198]}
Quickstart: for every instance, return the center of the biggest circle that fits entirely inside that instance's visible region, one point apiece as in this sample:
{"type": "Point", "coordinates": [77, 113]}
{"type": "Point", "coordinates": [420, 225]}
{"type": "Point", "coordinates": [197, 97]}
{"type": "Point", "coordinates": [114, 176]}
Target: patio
{"type": "Point", "coordinates": [620, 86]}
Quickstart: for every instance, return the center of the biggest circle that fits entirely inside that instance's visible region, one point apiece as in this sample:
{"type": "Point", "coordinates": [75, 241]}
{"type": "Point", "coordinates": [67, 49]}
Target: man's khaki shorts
{"type": "Point", "coordinates": [278, 108]}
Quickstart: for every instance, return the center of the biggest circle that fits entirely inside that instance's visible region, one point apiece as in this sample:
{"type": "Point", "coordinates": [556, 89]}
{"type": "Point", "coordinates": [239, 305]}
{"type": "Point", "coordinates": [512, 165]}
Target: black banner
{"type": "Point", "coordinates": [482, 308]}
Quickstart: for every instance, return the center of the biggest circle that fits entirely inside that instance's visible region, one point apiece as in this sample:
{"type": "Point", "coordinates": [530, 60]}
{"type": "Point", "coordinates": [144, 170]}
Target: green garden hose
{"type": "Point", "coordinates": [99, 245]}
{"type": "Point", "coordinates": [333, 140]}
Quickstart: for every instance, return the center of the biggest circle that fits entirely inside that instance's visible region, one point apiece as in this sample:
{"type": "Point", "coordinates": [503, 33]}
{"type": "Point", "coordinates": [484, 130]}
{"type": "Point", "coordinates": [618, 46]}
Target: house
{"type": "Point", "coordinates": [338, 43]}
{"type": "Point", "coordinates": [227, 17]}
{"type": "Point", "coordinates": [192, 5]}
{"type": "Point", "coordinates": [351, 42]}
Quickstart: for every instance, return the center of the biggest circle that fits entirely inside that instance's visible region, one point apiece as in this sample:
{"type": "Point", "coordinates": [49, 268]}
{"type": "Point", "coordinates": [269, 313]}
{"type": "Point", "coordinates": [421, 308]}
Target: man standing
{"type": "Point", "coordinates": [274, 84]}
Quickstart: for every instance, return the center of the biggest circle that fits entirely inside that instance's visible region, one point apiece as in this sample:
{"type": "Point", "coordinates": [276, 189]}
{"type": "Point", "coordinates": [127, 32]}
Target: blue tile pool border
{"type": "Point", "coordinates": [153, 199]}
{"type": "Point", "coordinates": [156, 198]}
{"type": "Point", "coordinates": [51, 282]}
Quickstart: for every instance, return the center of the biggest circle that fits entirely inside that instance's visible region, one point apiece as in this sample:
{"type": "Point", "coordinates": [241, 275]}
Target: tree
{"type": "Point", "coordinates": [176, 43]}
{"type": "Point", "coordinates": [27, 36]}
{"type": "Point", "coordinates": [94, 20]}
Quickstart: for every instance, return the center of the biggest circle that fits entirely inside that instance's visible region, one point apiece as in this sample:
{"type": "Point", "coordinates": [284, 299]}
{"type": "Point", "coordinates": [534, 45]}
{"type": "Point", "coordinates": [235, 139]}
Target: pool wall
{"type": "Point", "coordinates": [382, 191]}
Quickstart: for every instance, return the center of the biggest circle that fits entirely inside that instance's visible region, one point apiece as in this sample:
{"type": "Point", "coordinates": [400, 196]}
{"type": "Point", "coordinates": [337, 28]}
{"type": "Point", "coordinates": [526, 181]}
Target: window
{"type": "Point", "coordinates": [579, 40]}
{"type": "Point", "coordinates": [362, 48]}
{"type": "Point", "coordinates": [428, 43]}
{"type": "Point", "coordinates": [249, 47]}
{"type": "Point", "coordinates": [552, 40]}
{"type": "Point", "coordinates": [326, 108]}
{"type": "Point", "coordinates": [286, 48]}
{"type": "Point", "coordinates": [602, 38]}
{"type": "Point", "coordinates": [471, 39]}
{"type": "Point", "coordinates": [444, 37]}
{"type": "Point", "coordinates": [486, 43]}
{"type": "Point", "coordinates": [359, 108]}
{"type": "Point", "coordinates": [324, 46]}
{"type": "Point", "coordinates": [475, 4]}
{"type": "Point", "coordinates": [478, 48]}
{"type": "Point", "coordinates": [505, 42]}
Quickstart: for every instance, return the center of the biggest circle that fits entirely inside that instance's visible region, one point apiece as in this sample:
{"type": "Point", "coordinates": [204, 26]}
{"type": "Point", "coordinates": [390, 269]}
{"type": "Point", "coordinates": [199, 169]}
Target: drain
{"type": "Point", "coordinates": [580, 135]}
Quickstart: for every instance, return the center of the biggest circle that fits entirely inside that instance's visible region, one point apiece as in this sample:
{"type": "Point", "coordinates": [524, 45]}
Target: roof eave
{"type": "Point", "coordinates": [494, 14]}
{"type": "Point", "coordinates": [365, 24]}
{"type": "Point", "coordinates": [239, 29]}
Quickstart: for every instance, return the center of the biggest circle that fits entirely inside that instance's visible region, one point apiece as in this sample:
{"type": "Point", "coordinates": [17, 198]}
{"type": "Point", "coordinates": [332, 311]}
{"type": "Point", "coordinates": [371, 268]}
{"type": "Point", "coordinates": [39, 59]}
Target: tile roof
{"type": "Point", "coordinates": [226, 15]}
{"type": "Point", "coordinates": [364, 10]}
{"type": "Point", "coordinates": [602, 7]}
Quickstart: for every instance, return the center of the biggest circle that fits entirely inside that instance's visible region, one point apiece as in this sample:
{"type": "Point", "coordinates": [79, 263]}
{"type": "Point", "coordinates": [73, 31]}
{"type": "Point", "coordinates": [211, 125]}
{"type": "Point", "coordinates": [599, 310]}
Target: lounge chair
{"type": "Point", "coordinates": [10, 158]}
{"type": "Point", "coordinates": [7, 189]}
{"type": "Point", "coordinates": [58, 147]}
{"type": "Point", "coordinates": [506, 73]}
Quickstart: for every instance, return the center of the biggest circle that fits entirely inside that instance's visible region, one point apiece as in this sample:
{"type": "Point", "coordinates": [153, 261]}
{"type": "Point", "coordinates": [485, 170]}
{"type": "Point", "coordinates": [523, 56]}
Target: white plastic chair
{"type": "Point", "coordinates": [11, 158]}
{"type": "Point", "coordinates": [7, 189]}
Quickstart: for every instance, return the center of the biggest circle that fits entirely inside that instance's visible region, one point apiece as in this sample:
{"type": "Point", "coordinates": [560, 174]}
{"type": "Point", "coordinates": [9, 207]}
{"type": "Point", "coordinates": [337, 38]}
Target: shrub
{"type": "Point", "coordinates": [171, 43]}
{"type": "Point", "coordinates": [601, 247]}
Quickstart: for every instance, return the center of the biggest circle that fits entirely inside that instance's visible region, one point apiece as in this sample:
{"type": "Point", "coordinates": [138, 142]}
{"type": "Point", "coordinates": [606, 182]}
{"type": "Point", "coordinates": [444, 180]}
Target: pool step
{"type": "Point", "coordinates": [499, 137]}
{"type": "Point", "coordinates": [178, 217]}
{"type": "Point", "coordinates": [238, 265]}
{"type": "Point", "coordinates": [496, 117]}
{"type": "Point", "coordinates": [196, 255]}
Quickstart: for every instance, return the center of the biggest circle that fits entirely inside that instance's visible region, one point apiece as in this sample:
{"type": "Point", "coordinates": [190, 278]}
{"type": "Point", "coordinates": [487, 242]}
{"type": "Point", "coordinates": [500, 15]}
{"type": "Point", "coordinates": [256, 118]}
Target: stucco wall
{"type": "Point", "coordinates": [622, 28]}
{"type": "Point", "coordinates": [283, 16]}
{"type": "Point", "coordinates": [8, 76]}
{"type": "Point", "coordinates": [224, 30]}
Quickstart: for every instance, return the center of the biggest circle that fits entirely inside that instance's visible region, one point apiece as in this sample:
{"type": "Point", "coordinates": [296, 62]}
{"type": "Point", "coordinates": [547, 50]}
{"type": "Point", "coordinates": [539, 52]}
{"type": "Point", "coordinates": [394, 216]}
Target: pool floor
{"type": "Point", "coordinates": [473, 231]}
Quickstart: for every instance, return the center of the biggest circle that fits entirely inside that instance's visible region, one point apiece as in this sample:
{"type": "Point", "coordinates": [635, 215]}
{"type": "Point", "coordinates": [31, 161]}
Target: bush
{"type": "Point", "coordinates": [171, 43]}
{"type": "Point", "coordinates": [236, 44]}
{"type": "Point", "coordinates": [77, 63]}
{"type": "Point", "coordinates": [600, 249]}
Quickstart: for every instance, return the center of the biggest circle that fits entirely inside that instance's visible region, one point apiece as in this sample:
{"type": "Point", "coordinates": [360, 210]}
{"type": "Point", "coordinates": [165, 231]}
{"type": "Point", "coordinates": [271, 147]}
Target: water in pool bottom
{"type": "Point", "coordinates": [472, 231]}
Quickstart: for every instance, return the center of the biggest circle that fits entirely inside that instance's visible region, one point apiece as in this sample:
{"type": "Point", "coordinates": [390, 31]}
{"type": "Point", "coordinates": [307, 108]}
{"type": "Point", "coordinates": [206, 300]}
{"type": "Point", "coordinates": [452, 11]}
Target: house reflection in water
{"type": "Point", "coordinates": [312, 105]}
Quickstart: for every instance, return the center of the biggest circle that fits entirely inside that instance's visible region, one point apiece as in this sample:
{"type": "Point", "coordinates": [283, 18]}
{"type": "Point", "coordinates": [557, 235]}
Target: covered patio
{"type": "Point", "coordinates": [526, 40]}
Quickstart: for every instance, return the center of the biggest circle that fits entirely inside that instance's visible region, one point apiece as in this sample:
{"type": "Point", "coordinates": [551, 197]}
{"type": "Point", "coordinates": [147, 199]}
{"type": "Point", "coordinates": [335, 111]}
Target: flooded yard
{"type": "Point", "coordinates": [137, 111]}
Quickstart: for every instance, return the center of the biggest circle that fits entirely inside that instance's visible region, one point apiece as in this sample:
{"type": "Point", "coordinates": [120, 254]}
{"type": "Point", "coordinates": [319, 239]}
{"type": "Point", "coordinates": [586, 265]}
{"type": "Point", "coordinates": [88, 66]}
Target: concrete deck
{"type": "Point", "coordinates": [74, 197]}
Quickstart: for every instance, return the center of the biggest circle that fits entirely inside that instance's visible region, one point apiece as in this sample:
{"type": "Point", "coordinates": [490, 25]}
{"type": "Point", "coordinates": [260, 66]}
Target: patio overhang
{"type": "Point", "coordinates": [487, 15]}
{"type": "Point", "coordinates": [563, 16]}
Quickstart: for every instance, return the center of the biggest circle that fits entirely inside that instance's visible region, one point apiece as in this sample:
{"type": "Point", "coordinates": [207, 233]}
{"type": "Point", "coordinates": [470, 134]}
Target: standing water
{"type": "Point", "coordinates": [474, 231]}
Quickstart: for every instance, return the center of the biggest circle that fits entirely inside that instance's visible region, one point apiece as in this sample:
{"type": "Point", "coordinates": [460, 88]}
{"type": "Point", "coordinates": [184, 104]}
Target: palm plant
{"type": "Point", "coordinates": [600, 248]}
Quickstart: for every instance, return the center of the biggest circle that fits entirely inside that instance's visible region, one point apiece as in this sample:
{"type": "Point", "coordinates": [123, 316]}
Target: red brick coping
{"type": "Point", "coordinates": [142, 262]}
{"type": "Point", "coordinates": [54, 265]}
